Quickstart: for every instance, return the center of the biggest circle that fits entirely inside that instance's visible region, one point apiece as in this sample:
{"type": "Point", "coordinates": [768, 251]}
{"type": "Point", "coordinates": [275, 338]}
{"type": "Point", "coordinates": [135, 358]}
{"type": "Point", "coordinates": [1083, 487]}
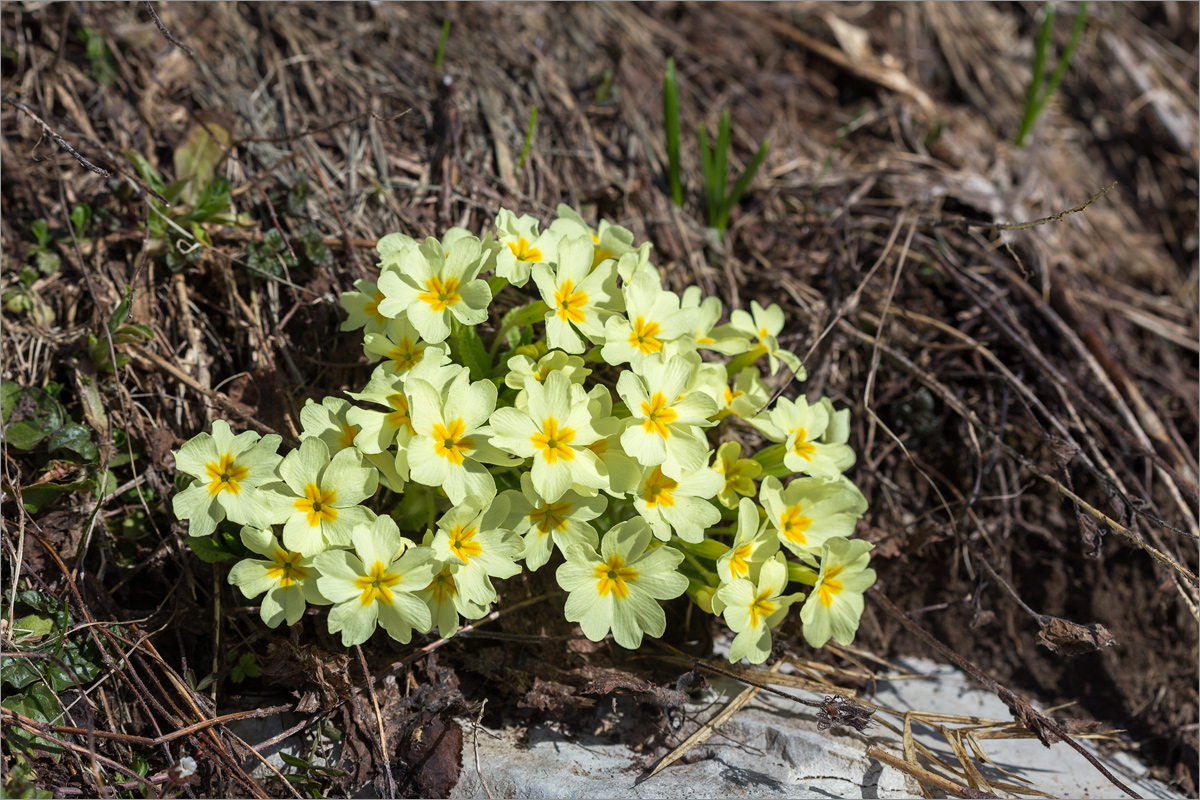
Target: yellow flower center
{"type": "Point", "coordinates": [399, 417]}
{"type": "Point", "coordinates": [763, 334]}
{"type": "Point", "coordinates": [552, 516]}
{"type": "Point", "coordinates": [738, 565]}
{"type": "Point", "coordinates": [801, 447]}
{"type": "Point", "coordinates": [524, 252]}
{"type": "Point", "coordinates": [568, 300]}
{"type": "Point", "coordinates": [658, 488]}
{"type": "Point", "coordinates": [449, 442]}
{"type": "Point", "coordinates": [793, 523]}
{"type": "Point", "coordinates": [599, 253]}
{"type": "Point", "coordinates": [736, 479]}
{"type": "Point", "coordinates": [599, 447]}
{"type": "Point", "coordinates": [225, 475]}
{"type": "Point", "coordinates": [378, 585]}
{"type": "Point", "coordinates": [644, 336]}
{"type": "Point", "coordinates": [442, 586]}
{"type": "Point", "coordinates": [405, 355]}
{"type": "Point", "coordinates": [614, 577]}
{"type": "Point", "coordinates": [761, 607]}
{"type": "Point", "coordinates": [730, 396]}
{"type": "Point", "coordinates": [440, 295]}
{"type": "Point", "coordinates": [829, 586]}
{"type": "Point", "coordinates": [463, 544]}
{"type": "Point", "coordinates": [372, 308]}
{"type": "Point", "coordinates": [287, 569]}
{"type": "Point", "coordinates": [346, 439]}
{"type": "Point", "coordinates": [657, 415]}
{"type": "Point", "coordinates": [317, 505]}
{"type": "Point", "coordinates": [553, 441]}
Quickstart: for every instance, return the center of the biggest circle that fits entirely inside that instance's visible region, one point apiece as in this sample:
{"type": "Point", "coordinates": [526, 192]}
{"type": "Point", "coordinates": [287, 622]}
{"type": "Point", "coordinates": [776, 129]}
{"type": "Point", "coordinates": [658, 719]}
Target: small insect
{"type": "Point", "coordinates": [840, 710]}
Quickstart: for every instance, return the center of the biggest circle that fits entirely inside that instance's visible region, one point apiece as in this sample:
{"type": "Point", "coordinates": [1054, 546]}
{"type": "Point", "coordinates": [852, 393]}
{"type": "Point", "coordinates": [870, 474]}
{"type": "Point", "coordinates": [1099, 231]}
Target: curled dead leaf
{"type": "Point", "coordinates": [1072, 639]}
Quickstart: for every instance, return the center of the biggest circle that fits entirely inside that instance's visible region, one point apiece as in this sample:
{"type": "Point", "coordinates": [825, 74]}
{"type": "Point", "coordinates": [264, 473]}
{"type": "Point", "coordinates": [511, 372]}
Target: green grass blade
{"type": "Point", "coordinates": [721, 162]}
{"type": "Point", "coordinates": [528, 137]}
{"type": "Point", "coordinates": [1064, 61]}
{"type": "Point", "coordinates": [706, 166]}
{"type": "Point", "coordinates": [1034, 98]}
{"type": "Point", "coordinates": [441, 49]}
{"type": "Point", "coordinates": [671, 122]}
{"type": "Point", "coordinates": [739, 188]}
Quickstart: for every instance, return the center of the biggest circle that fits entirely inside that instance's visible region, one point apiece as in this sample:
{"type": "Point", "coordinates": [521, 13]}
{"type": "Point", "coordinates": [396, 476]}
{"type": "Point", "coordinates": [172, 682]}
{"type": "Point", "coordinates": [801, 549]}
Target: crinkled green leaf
{"type": "Point", "coordinates": [17, 671]}
{"type": "Point", "coordinates": [47, 262]}
{"type": "Point", "coordinates": [10, 393]}
{"type": "Point", "coordinates": [75, 438]}
{"type": "Point", "coordinates": [38, 703]}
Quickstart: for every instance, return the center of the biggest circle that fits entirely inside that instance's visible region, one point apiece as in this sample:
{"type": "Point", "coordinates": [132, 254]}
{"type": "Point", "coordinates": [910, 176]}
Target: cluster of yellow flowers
{"type": "Point", "coordinates": [516, 447]}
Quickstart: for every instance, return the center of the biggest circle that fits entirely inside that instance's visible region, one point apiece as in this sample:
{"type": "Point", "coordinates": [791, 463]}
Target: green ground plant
{"type": "Point", "coordinates": [196, 201]}
{"type": "Point", "coordinates": [40, 663]}
{"type": "Point", "coordinates": [720, 199]}
{"type": "Point", "coordinates": [1041, 89]}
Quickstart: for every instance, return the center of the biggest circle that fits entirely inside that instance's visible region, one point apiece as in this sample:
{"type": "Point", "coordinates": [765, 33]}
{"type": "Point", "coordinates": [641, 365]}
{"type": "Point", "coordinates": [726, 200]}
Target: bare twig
{"type": "Point", "coordinates": [83, 162]}
{"type": "Point", "coordinates": [170, 37]}
{"type": "Point", "coordinates": [383, 745]}
{"type": "Point", "coordinates": [479, 771]}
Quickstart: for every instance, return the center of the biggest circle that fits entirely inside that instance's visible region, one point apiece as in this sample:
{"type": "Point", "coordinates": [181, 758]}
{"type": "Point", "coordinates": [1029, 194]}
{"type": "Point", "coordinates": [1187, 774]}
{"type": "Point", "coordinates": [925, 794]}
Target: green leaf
{"type": "Point", "coordinates": [46, 262]}
{"type": "Point", "coordinates": [32, 627]}
{"type": "Point", "coordinates": [121, 311]}
{"type": "Point", "coordinates": [35, 496]}
{"type": "Point", "coordinates": [197, 158]}
{"type": "Point", "coordinates": [145, 171]}
{"type": "Point", "coordinates": [41, 232]}
{"type": "Point", "coordinates": [214, 199]}
{"type": "Point", "coordinates": [20, 781]}
{"type": "Point", "coordinates": [77, 658]}
{"type": "Point", "coordinates": [246, 667]}
{"type": "Point", "coordinates": [38, 703]}
{"type": "Point", "coordinates": [81, 215]}
{"type": "Point", "coordinates": [293, 761]}
{"type": "Point", "coordinates": [10, 393]}
{"type": "Point", "coordinates": [17, 671]}
{"type": "Point", "coordinates": [472, 354]}
{"type": "Point", "coordinates": [134, 332]}
{"type": "Point", "coordinates": [297, 196]}
{"type": "Point", "coordinates": [75, 438]}
{"type": "Point", "coordinates": [34, 415]}
{"type": "Point", "coordinates": [24, 435]}
{"type": "Point", "coordinates": [216, 548]}
{"type": "Point", "coordinates": [313, 250]}
{"type": "Point", "coordinates": [526, 315]}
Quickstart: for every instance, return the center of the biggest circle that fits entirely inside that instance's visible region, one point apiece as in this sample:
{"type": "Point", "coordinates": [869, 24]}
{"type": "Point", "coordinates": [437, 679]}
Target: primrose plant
{"type": "Point", "coordinates": [600, 424]}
